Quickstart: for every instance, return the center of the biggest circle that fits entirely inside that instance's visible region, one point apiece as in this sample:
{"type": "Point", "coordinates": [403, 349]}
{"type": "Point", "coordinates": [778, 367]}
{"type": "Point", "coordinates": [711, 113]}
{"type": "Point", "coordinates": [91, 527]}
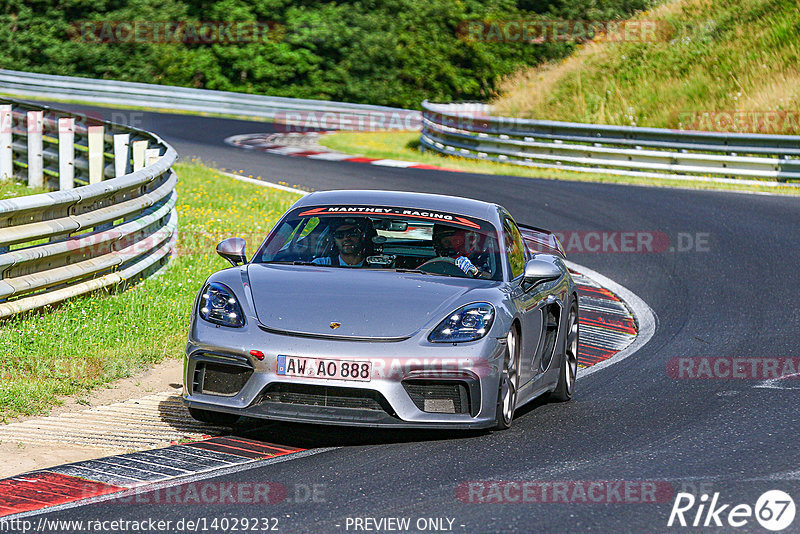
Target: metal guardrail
{"type": "Point", "coordinates": [105, 225]}
{"type": "Point", "coordinates": [468, 130]}
{"type": "Point", "coordinates": [222, 102]}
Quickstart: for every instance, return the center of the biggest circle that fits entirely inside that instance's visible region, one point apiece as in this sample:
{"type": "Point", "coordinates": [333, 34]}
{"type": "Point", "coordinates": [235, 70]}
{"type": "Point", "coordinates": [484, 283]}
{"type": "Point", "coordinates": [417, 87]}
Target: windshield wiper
{"type": "Point", "coordinates": [417, 271]}
{"type": "Point", "coordinates": [295, 262]}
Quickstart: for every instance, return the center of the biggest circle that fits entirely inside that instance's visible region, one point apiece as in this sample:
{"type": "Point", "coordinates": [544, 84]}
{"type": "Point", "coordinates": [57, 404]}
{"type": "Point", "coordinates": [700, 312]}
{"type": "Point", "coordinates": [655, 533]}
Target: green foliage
{"type": "Point", "coordinates": [391, 52]}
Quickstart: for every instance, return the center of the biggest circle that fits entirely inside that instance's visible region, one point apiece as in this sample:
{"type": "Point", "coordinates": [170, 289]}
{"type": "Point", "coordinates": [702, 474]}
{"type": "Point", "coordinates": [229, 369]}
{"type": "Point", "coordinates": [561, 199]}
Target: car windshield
{"type": "Point", "coordinates": [400, 239]}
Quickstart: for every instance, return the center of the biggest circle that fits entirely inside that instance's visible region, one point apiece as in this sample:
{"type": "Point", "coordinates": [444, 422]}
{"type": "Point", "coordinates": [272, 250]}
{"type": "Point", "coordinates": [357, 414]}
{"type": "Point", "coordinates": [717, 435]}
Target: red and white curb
{"type": "Point", "coordinates": [607, 325]}
{"type": "Point", "coordinates": [305, 145]}
{"type": "Point", "coordinates": [116, 476]}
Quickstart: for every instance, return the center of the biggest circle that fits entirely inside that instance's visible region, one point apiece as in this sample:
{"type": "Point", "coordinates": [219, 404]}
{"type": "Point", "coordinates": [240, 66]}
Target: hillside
{"type": "Point", "coordinates": [390, 52]}
{"type": "Point", "coordinates": [715, 65]}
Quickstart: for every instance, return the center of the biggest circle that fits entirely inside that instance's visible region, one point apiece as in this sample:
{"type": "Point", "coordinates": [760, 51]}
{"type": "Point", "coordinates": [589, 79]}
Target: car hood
{"type": "Point", "coordinates": [367, 304]}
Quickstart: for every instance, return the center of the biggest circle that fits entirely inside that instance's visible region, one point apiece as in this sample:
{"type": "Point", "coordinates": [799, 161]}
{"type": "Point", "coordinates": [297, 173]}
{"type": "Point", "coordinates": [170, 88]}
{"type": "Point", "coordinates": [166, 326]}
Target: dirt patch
{"type": "Point", "coordinates": [23, 457]}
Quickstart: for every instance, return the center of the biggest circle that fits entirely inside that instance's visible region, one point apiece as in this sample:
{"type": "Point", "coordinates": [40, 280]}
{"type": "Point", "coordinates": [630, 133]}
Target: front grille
{"type": "Point", "coordinates": [438, 396]}
{"type": "Point", "coordinates": [219, 379]}
{"type": "Point", "coordinates": [336, 397]}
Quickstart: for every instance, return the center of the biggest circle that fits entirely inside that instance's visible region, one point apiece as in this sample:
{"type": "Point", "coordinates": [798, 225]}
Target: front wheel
{"type": "Point", "coordinates": [509, 383]}
{"type": "Point", "coordinates": [214, 418]}
{"type": "Point", "coordinates": [569, 363]}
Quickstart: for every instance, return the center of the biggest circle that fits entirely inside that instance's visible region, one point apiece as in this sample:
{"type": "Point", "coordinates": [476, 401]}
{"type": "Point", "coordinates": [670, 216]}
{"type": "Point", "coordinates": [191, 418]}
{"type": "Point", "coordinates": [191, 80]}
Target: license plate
{"type": "Point", "coordinates": [323, 368]}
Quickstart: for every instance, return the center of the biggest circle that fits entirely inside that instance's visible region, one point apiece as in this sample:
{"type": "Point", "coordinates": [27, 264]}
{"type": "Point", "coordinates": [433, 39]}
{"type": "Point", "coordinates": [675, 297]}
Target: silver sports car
{"type": "Point", "coordinates": [378, 308]}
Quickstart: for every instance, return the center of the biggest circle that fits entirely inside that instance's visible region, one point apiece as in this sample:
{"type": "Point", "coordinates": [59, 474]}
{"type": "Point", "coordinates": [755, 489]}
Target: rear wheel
{"type": "Point", "coordinates": [569, 364]}
{"type": "Point", "coordinates": [509, 383]}
{"type": "Point", "coordinates": [213, 418]}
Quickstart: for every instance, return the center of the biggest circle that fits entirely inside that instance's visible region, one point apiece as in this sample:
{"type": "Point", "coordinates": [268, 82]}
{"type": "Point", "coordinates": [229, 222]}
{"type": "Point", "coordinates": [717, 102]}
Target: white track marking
{"type": "Point", "coordinates": [263, 183]}
{"type": "Point", "coordinates": [772, 383]}
{"type": "Point", "coordinates": [330, 156]}
{"type": "Point", "coordinates": [393, 163]}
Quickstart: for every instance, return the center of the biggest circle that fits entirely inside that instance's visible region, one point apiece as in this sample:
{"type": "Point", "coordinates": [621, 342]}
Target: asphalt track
{"type": "Point", "coordinates": [737, 296]}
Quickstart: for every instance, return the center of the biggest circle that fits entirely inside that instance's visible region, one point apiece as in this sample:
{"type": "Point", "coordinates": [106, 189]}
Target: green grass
{"type": "Point", "coordinates": [709, 56]}
{"type": "Point", "coordinates": [93, 340]}
{"type": "Point", "coordinates": [12, 189]}
{"type": "Point", "coordinates": [405, 146]}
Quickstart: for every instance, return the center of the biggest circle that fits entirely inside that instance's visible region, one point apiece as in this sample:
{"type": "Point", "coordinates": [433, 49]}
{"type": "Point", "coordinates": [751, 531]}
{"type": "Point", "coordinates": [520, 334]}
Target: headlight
{"type": "Point", "coordinates": [469, 323]}
{"type": "Point", "coordinates": [218, 305]}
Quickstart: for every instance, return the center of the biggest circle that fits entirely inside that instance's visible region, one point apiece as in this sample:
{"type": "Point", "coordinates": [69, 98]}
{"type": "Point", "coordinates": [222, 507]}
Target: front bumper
{"type": "Point", "coordinates": [469, 368]}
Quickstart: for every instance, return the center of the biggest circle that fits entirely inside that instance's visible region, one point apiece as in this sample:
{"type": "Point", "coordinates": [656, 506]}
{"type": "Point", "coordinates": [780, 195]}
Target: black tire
{"type": "Point", "coordinates": [568, 373]}
{"type": "Point", "coordinates": [214, 418]}
{"type": "Point", "coordinates": [508, 388]}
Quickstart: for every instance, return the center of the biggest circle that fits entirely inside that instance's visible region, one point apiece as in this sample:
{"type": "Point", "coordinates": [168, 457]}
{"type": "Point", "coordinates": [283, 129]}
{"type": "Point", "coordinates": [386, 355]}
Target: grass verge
{"type": "Point", "coordinates": [405, 146]}
{"type": "Point", "coordinates": [13, 189]}
{"type": "Point", "coordinates": [93, 340]}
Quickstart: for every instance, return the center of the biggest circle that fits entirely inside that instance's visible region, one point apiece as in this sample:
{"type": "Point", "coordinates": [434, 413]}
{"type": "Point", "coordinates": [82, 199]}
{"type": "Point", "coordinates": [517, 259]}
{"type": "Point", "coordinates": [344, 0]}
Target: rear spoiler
{"type": "Point", "coordinates": [541, 240]}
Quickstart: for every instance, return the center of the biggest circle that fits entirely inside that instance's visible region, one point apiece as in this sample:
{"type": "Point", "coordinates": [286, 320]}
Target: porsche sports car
{"type": "Point", "coordinates": [376, 308]}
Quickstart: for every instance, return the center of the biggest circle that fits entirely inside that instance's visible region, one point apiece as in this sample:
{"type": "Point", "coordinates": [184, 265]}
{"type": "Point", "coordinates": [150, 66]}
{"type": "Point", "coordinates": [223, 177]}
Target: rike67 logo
{"type": "Point", "coordinates": [774, 510]}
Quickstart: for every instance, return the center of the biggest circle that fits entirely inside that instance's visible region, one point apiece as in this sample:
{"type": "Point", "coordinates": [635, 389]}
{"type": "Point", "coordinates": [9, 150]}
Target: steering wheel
{"type": "Point", "coordinates": [442, 265]}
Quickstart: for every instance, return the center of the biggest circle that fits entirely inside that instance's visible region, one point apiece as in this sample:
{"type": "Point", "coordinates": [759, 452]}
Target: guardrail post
{"type": "Point", "coordinates": [151, 156]}
{"type": "Point", "coordinates": [95, 154]}
{"type": "Point", "coordinates": [66, 153]}
{"type": "Point", "coordinates": [139, 149]}
{"type": "Point", "coordinates": [6, 156]}
{"type": "Point", "coordinates": [35, 120]}
{"type": "Point", "coordinates": [121, 151]}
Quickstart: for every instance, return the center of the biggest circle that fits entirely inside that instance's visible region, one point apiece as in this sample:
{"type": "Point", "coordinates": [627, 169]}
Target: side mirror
{"type": "Point", "coordinates": [539, 270]}
{"type": "Point", "coordinates": [232, 249]}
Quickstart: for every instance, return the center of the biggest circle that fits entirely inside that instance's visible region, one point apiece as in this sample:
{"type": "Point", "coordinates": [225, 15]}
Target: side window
{"type": "Point", "coordinates": [515, 249]}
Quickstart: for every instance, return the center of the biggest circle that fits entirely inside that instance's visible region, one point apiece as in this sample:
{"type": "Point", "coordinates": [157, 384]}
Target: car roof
{"type": "Point", "coordinates": [404, 199]}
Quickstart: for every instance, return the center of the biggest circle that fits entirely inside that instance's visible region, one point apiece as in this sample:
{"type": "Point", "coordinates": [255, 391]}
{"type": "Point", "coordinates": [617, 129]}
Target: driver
{"type": "Point", "coordinates": [458, 244]}
{"type": "Point", "coordinates": [350, 236]}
